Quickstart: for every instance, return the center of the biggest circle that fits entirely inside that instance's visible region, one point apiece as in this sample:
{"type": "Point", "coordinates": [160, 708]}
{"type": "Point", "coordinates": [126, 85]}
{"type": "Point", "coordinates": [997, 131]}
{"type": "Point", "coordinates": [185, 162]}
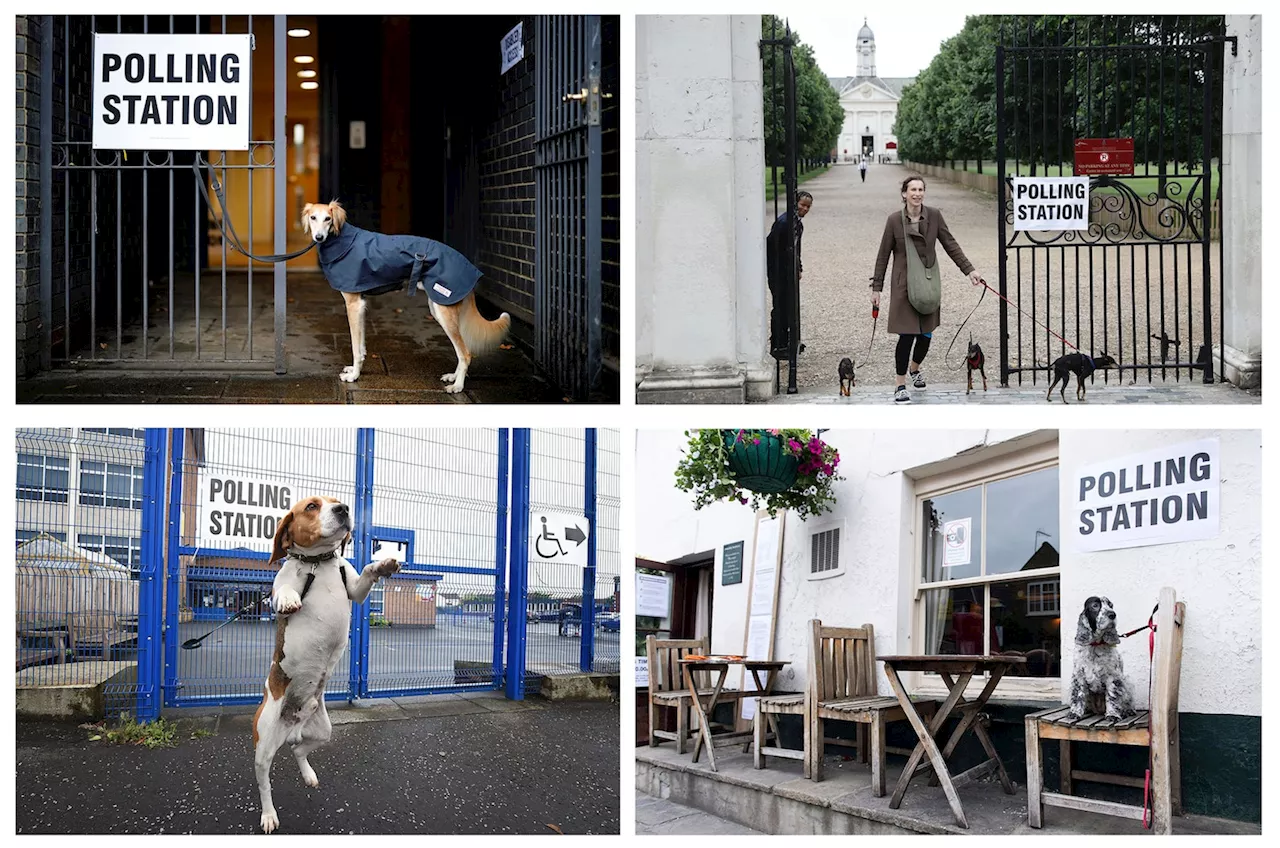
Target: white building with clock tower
{"type": "Point", "coordinates": [870, 104]}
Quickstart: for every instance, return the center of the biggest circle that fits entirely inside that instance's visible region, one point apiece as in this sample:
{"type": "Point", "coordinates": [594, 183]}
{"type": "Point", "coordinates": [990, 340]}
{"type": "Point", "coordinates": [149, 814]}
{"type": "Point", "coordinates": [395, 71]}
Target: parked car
{"type": "Point", "coordinates": [609, 621]}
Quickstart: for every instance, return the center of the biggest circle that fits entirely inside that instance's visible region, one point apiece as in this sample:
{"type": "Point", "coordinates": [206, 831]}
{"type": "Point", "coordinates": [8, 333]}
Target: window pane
{"type": "Point", "coordinates": [943, 518]}
{"type": "Point", "coordinates": [953, 621]}
{"type": "Point", "coordinates": [1028, 624]}
{"type": "Point", "coordinates": [1022, 523]}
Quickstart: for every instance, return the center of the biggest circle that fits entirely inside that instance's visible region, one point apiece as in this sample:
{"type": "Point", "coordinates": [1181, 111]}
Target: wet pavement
{"type": "Point", "coordinates": [227, 355]}
{"type": "Point", "coordinates": [444, 765]}
{"type": "Point", "coordinates": [1186, 393]}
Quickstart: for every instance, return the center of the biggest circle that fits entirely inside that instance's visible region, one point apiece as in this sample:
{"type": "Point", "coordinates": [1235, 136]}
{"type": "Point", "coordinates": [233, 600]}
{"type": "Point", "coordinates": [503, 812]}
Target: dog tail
{"type": "Point", "coordinates": [481, 336]}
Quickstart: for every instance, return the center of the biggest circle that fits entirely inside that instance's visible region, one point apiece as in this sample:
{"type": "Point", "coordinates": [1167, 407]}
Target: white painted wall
{"type": "Point", "coordinates": [1222, 648]}
{"type": "Point", "coordinates": [1220, 580]}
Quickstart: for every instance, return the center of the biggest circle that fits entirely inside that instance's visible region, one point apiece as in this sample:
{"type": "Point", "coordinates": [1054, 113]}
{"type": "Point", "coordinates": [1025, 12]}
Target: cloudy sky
{"type": "Point", "coordinates": [905, 44]}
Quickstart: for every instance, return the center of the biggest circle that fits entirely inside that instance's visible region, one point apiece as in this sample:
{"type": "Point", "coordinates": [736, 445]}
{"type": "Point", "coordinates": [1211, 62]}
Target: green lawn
{"type": "Point", "coordinates": [782, 186]}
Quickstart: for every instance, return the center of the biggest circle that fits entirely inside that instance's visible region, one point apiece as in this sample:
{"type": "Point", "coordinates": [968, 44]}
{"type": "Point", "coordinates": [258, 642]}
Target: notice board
{"type": "Point", "coordinates": [762, 604]}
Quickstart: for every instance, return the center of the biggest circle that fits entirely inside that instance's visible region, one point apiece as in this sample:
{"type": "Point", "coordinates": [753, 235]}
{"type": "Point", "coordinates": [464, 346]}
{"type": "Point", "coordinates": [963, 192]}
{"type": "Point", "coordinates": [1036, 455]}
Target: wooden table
{"type": "Point", "coordinates": [956, 671]}
{"type": "Point", "coordinates": [771, 669]}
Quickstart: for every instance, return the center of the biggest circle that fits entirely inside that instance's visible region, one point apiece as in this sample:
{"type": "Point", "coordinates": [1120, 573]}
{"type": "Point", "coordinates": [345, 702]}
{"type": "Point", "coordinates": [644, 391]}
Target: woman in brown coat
{"type": "Point", "coordinates": [925, 228]}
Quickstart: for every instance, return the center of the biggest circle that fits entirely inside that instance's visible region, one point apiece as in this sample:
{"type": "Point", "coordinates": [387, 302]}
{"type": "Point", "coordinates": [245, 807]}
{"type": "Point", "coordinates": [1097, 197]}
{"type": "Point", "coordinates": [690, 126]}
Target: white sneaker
{"type": "Point", "coordinates": [917, 379]}
{"type": "Point", "coordinates": [900, 395]}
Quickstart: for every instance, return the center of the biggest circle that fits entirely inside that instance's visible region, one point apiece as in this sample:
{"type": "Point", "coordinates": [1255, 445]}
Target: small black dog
{"type": "Point", "coordinates": [1080, 364]}
{"type": "Point", "coordinates": [846, 377]}
{"type": "Point", "coordinates": [975, 362]}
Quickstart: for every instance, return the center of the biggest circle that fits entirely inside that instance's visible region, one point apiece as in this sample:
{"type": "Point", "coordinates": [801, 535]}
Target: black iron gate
{"type": "Point", "coordinates": [1138, 284]}
{"type": "Point", "coordinates": [125, 235]}
{"type": "Point", "coordinates": [567, 166]}
{"type": "Point", "coordinates": [780, 155]}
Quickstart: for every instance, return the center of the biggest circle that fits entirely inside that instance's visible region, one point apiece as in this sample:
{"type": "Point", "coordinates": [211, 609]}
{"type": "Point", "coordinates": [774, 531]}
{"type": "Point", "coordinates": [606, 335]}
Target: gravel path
{"type": "Point", "coordinates": [842, 235]}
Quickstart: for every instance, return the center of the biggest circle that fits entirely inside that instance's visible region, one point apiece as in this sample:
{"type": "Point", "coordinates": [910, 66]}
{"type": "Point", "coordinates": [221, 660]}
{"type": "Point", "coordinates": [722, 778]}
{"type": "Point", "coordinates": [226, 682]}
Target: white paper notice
{"type": "Point", "coordinates": [957, 535]}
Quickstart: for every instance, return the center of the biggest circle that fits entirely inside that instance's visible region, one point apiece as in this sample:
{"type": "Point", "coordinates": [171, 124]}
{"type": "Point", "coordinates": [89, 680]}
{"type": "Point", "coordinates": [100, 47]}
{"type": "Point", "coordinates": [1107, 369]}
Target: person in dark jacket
{"type": "Point", "coordinates": [925, 229]}
{"type": "Point", "coordinates": [780, 317]}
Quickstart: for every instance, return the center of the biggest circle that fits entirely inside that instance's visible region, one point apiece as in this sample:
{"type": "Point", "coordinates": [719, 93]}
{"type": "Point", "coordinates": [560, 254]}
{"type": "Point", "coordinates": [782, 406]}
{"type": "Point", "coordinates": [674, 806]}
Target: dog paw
{"type": "Point", "coordinates": [449, 378]}
{"type": "Point", "coordinates": [349, 374]}
{"type": "Point", "coordinates": [269, 821]}
{"type": "Point", "coordinates": [454, 389]}
{"type": "Point", "coordinates": [309, 777]}
{"type": "Point", "coordinates": [288, 602]}
{"type": "Point", "coordinates": [1075, 716]}
{"type": "Point", "coordinates": [386, 568]}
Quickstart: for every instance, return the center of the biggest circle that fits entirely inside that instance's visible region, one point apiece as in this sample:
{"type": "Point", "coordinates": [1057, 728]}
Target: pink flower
{"type": "Point", "coordinates": [794, 445]}
{"type": "Point", "coordinates": [742, 500]}
{"type": "Point", "coordinates": [775, 432]}
{"type": "Point", "coordinates": [756, 440]}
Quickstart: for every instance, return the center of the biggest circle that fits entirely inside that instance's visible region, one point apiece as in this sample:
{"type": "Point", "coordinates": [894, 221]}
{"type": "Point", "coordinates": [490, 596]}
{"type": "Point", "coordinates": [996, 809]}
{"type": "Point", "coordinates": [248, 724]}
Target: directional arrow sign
{"type": "Point", "coordinates": [559, 537]}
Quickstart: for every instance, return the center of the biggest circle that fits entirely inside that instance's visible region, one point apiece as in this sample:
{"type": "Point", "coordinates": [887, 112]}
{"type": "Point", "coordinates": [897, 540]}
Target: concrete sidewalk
{"type": "Point", "coordinates": [953, 393]}
{"type": "Point", "coordinates": [664, 816]}
{"type": "Point", "coordinates": [471, 764]}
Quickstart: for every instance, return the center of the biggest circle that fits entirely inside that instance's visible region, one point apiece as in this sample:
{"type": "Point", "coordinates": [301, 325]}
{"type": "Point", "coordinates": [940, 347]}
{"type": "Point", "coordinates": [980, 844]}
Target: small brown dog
{"type": "Point", "coordinates": [975, 362]}
{"type": "Point", "coordinates": [846, 377]}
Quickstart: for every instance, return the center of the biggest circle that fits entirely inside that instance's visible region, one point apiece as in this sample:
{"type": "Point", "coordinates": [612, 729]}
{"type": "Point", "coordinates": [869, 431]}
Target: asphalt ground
{"type": "Point", "coordinates": [524, 767]}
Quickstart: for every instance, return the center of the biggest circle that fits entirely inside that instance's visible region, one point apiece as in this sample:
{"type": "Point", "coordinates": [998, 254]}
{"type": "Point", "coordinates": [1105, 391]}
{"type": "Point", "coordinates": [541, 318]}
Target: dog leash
{"type": "Point", "coordinates": [232, 238]}
{"type": "Point", "coordinates": [1147, 823]}
{"type": "Point", "coordinates": [987, 288]}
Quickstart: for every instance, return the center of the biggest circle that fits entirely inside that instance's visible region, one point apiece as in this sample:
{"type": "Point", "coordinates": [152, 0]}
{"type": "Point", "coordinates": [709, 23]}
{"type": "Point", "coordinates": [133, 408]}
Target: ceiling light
{"type": "Point", "coordinates": [304, 60]}
{"type": "Point", "coordinates": [299, 33]}
{"type": "Point", "coordinates": [310, 85]}
{"type": "Point", "coordinates": [306, 74]}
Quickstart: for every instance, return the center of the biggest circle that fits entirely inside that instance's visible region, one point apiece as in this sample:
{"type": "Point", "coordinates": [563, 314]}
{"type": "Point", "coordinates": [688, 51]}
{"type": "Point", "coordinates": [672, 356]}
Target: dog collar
{"type": "Point", "coordinates": [1101, 645]}
{"type": "Point", "coordinates": [313, 559]}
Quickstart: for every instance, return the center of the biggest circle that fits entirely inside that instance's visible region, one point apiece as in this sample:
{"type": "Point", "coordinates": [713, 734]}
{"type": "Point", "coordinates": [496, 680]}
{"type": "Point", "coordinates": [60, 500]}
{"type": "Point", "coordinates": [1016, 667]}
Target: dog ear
{"type": "Point", "coordinates": [1091, 607]}
{"type": "Point", "coordinates": [306, 223]}
{"type": "Point", "coordinates": [339, 215]}
{"type": "Point", "coordinates": [280, 547]}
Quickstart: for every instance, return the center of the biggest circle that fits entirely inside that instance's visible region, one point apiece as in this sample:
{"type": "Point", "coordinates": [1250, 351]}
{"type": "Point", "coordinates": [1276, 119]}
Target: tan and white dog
{"type": "Point", "coordinates": [312, 597]}
{"type": "Point", "coordinates": [470, 332]}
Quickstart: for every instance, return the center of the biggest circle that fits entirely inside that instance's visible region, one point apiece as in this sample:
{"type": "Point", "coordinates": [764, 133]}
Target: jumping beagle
{"type": "Point", "coordinates": [312, 597]}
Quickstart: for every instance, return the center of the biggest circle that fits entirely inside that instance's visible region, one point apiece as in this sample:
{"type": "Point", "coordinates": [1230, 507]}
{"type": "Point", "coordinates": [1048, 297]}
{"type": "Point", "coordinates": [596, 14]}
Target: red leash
{"type": "Point", "coordinates": [1019, 308]}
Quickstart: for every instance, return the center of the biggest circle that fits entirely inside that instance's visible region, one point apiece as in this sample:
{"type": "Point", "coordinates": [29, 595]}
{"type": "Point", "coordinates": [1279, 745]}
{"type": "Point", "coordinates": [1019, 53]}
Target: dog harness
{"type": "Point", "coordinates": [314, 560]}
{"type": "Point", "coordinates": [363, 262]}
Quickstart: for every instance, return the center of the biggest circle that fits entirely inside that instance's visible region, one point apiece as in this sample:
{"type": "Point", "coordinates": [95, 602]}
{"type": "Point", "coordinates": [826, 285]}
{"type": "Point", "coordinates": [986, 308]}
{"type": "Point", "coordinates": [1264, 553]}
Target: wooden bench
{"type": "Point", "coordinates": [666, 686]}
{"type": "Point", "coordinates": [96, 631]}
{"type": "Point", "coordinates": [1156, 727]}
{"type": "Point", "coordinates": [842, 687]}
{"type": "Point", "coordinates": [27, 656]}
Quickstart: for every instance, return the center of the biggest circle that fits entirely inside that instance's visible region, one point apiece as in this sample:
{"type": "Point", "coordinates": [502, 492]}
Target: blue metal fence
{"type": "Point", "coordinates": [143, 556]}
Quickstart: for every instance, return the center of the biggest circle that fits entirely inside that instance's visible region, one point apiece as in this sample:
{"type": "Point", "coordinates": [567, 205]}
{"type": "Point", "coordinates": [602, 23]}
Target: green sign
{"type": "Point", "coordinates": [732, 564]}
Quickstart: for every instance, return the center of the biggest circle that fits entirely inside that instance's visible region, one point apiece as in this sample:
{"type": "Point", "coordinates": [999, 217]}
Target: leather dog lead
{"type": "Point", "coordinates": [232, 238]}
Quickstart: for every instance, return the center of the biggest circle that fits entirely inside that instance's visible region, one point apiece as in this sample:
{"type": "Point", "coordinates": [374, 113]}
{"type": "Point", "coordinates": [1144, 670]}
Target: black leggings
{"type": "Point", "coordinates": [903, 352]}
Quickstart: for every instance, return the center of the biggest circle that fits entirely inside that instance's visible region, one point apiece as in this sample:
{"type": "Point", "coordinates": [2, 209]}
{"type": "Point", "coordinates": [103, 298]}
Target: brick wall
{"type": "Point", "coordinates": [26, 194]}
{"type": "Point", "coordinates": [611, 189]}
{"type": "Point", "coordinates": [505, 148]}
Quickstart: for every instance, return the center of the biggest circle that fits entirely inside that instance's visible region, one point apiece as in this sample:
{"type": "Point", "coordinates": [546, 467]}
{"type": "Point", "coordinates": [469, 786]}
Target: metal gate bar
{"type": "Point", "coordinates": [64, 158]}
{"type": "Point", "coordinates": [1126, 227]}
{"type": "Point", "coordinates": [567, 225]}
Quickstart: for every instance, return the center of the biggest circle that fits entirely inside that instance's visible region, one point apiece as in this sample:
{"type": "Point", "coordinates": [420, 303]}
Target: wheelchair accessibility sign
{"type": "Point", "coordinates": [559, 537]}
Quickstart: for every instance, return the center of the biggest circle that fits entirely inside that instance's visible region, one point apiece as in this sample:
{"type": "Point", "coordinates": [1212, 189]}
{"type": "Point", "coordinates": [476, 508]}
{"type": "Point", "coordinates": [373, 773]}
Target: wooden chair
{"type": "Point", "coordinates": [842, 687]}
{"type": "Point", "coordinates": [95, 631]}
{"type": "Point", "coordinates": [1156, 727]}
{"type": "Point", "coordinates": [666, 686]}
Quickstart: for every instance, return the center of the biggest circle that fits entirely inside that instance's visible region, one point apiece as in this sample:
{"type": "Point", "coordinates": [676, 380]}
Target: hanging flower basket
{"type": "Point", "coordinates": [760, 463]}
{"type": "Point", "coordinates": [769, 469]}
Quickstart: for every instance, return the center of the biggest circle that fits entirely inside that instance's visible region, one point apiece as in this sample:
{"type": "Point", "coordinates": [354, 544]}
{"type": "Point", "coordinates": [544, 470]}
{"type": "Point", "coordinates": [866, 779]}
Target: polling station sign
{"type": "Point", "coordinates": [1160, 496]}
{"type": "Point", "coordinates": [1051, 203]}
{"type": "Point", "coordinates": [238, 511]}
{"type": "Point", "coordinates": [171, 92]}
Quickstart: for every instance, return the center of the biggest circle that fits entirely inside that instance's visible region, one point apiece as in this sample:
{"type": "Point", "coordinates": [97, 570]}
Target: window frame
{"type": "Point", "coordinates": [44, 491]}
{"type": "Point", "coordinates": [87, 497]}
{"type": "Point", "coordinates": [1034, 458]}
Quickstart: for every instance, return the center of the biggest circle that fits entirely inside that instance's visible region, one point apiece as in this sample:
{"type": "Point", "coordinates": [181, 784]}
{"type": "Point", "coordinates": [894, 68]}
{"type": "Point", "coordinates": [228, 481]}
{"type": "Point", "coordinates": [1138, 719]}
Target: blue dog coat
{"type": "Point", "coordinates": [356, 260]}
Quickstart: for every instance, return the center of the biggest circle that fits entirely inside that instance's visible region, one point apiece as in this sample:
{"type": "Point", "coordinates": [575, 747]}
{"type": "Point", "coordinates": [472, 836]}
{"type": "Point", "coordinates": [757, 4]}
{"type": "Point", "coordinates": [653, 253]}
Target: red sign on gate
{"type": "Point", "coordinates": [1104, 156]}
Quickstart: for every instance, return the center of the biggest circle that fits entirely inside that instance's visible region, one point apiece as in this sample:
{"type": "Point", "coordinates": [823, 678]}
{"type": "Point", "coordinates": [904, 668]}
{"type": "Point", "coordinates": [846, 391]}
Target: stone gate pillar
{"type": "Point", "coordinates": [702, 299]}
{"type": "Point", "coordinates": [1242, 203]}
